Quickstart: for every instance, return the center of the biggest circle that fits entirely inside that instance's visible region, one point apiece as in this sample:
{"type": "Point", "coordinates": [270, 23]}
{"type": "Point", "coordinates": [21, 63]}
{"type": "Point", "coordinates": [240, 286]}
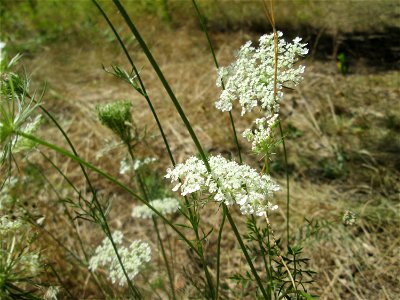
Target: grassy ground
{"type": "Point", "coordinates": [342, 135]}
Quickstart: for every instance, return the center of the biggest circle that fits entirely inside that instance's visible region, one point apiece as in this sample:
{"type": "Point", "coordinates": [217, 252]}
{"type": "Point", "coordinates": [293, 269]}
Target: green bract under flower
{"type": "Point", "coordinates": [117, 116]}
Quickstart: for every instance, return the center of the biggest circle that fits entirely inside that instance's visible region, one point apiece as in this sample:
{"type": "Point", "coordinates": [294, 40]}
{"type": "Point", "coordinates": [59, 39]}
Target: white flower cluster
{"type": "Point", "coordinates": [349, 218]}
{"type": "Point", "coordinates": [2, 45]}
{"type": "Point", "coordinates": [164, 206]}
{"type": "Point", "coordinates": [261, 138]}
{"type": "Point", "coordinates": [8, 226]}
{"type": "Point", "coordinates": [228, 181]}
{"type": "Point", "coordinates": [250, 79]}
{"type": "Point", "coordinates": [126, 165]}
{"type": "Point", "coordinates": [133, 258]}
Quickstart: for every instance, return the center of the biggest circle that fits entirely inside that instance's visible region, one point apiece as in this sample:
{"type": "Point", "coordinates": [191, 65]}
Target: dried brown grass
{"type": "Point", "coordinates": [329, 109]}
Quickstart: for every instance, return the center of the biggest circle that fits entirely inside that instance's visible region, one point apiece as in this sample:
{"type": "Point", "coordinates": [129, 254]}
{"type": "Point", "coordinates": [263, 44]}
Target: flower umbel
{"type": "Point", "coordinates": [349, 218]}
{"type": "Point", "coordinates": [164, 206]}
{"type": "Point", "coordinates": [134, 258]}
{"type": "Point", "coordinates": [250, 79]}
{"type": "Point", "coordinates": [228, 182]}
{"type": "Point", "coordinates": [261, 138]}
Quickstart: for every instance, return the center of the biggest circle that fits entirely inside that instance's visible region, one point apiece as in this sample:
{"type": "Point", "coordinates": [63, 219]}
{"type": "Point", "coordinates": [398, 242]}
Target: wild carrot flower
{"type": "Point", "coordinates": [349, 218]}
{"type": "Point", "coordinates": [250, 79]}
{"type": "Point", "coordinates": [262, 137]}
{"type": "Point", "coordinates": [164, 206]}
{"type": "Point", "coordinates": [228, 182]}
{"type": "Point", "coordinates": [133, 258]}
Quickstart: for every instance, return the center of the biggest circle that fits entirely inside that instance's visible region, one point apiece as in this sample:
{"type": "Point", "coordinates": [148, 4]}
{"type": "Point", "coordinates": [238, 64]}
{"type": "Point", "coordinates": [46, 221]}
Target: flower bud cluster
{"type": "Point", "coordinates": [164, 206]}
{"type": "Point", "coordinates": [117, 116]}
{"type": "Point", "coordinates": [250, 79]}
{"type": "Point", "coordinates": [133, 258]}
{"type": "Point", "coordinates": [228, 182]}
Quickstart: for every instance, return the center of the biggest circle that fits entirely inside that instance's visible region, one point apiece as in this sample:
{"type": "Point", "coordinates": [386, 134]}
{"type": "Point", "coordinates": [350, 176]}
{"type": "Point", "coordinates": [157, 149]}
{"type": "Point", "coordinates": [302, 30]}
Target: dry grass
{"type": "Point", "coordinates": [356, 117]}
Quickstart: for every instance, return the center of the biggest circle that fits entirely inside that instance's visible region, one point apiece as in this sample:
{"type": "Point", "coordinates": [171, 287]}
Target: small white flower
{"type": "Point", "coordinates": [261, 139]}
{"type": "Point", "coordinates": [228, 181]}
{"type": "Point", "coordinates": [164, 206]}
{"type": "Point", "coordinates": [250, 79]}
{"type": "Point", "coordinates": [2, 45]}
{"type": "Point", "coordinates": [126, 166]}
{"type": "Point", "coordinates": [349, 218]}
{"type": "Point", "coordinates": [133, 258]}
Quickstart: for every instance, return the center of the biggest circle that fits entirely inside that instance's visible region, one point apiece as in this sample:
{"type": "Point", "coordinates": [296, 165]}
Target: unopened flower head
{"type": "Point", "coordinates": [117, 116]}
{"type": "Point", "coordinates": [133, 258]}
{"type": "Point", "coordinates": [262, 137]}
{"type": "Point", "coordinates": [228, 182]}
{"type": "Point", "coordinates": [250, 79]}
{"type": "Point", "coordinates": [164, 206]}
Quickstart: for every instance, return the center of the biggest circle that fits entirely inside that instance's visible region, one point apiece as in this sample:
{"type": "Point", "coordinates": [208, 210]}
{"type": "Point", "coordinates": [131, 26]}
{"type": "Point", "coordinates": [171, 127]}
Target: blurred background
{"type": "Point", "coordinates": [342, 123]}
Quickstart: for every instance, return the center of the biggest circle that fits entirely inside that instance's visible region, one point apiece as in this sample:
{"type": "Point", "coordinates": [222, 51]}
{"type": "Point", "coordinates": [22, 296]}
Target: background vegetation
{"type": "Point", "coordinates": [342, 127]}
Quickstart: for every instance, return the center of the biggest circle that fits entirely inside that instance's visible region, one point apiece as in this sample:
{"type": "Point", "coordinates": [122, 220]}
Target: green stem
{"type": "Point", "coordinates": [108, 177]}
{"type": "Point", "coordinates": [71, 220]}
{"type": "Point", "coordinates": [287, 185]}
{"type": "Point", "coordinates": [104, 224]}
{"type": "Point", "coordinates": [140, 82]}
{"type": "Point", "coordinates": [264, 252]}
{"type": "Point", "coordinates": [204, 27]}
{"type": "Point", "coordinates": [221, 227]}
{"type": "Point", "coordinates": [163, 80]}
{"type": "Point", "coordinates": [61, 282]}
{"type": "Point", "coordinates": [155, 225]}
{"type": "Point", "coordinates": [243, 247]}
{"type": "Point", "coordinates": [170, 277]}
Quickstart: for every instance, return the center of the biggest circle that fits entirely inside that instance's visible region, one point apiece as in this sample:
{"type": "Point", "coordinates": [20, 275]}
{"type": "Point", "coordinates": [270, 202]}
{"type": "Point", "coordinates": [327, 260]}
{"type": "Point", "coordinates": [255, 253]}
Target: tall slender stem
{"type": "Point", "coordinates": [287, 186]}
{"type": "Point", "coordinates": [135, 292]}
{"type": "Point", "coordinates": [170, 276]}
{"type": "Point", "coordinates": [137, 74]}
{"type": "Point", "coordinates": [244, 250]}
{"type": "Point", "coordinates": [155, 225]}
{"type": "Point", "coordinates": [164, 82]}
{"type": "Point", "coordinates": [221, 227]}
{"type": "Point", "coordinates": [204, 27]}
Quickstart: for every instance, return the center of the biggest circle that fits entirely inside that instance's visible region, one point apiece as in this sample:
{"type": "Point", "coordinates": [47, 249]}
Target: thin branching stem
{"type": "Point", "coordinates": [221, 227]}
{"type": "Point", "coordinates": [246, 254]}
{"type": "Point", "coordinates": [271, 16]}
{"type": "Point", "coordinates": [108, 177]}
{"type": "Point", "coordinates": [135, 292]}
{"type": "Point", "coordinates": [155, 225]}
